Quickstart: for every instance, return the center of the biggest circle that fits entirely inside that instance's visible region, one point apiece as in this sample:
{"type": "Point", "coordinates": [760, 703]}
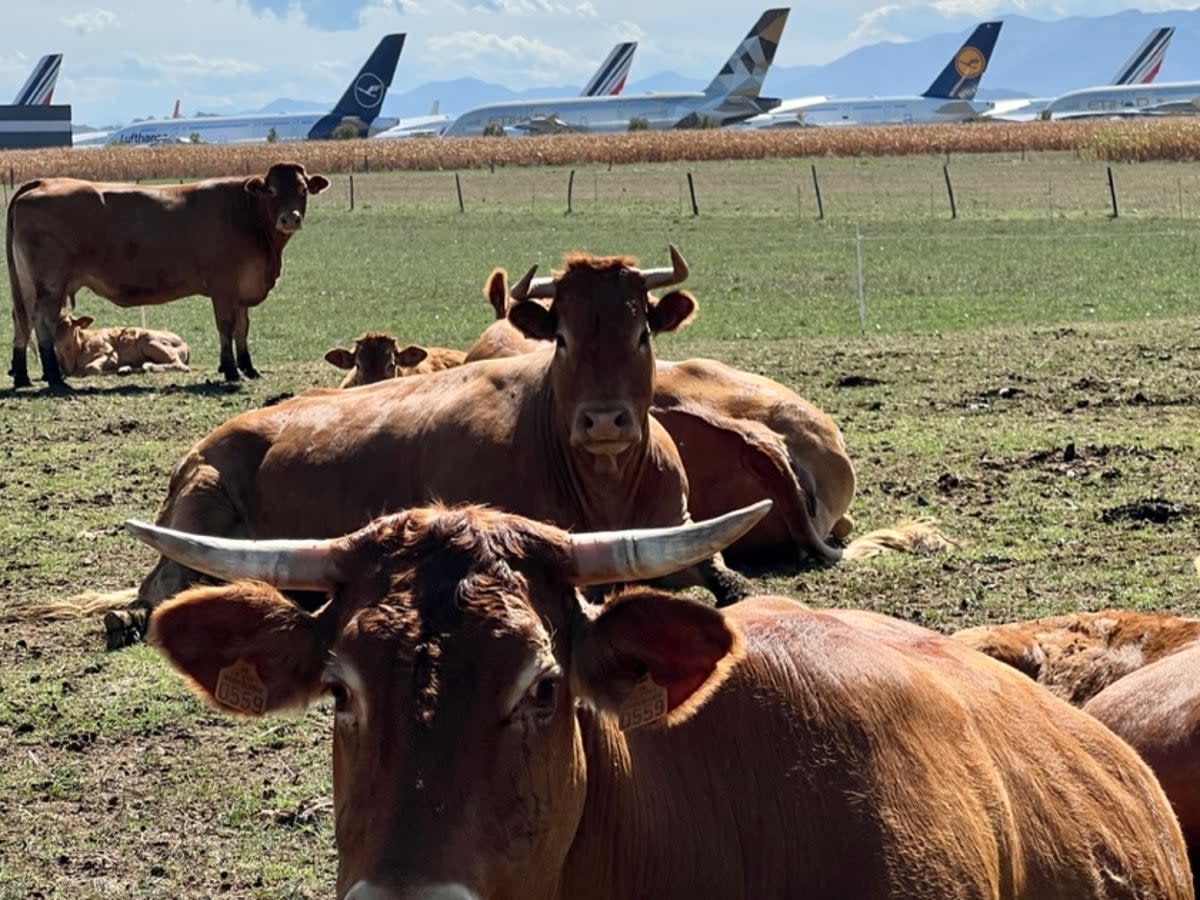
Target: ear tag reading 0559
{"type": "Point", "coordinates": [646, 703]}
{"type": "Point", "coordinates": [240, 688]}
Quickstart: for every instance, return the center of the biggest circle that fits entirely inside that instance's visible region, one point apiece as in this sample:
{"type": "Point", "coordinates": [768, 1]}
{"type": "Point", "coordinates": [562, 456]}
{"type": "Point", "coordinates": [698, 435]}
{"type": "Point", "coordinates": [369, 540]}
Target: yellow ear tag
{"type": "Point", "coordinates": [646, 703]}
{"type": "Point", "coordinates": [240, 688]}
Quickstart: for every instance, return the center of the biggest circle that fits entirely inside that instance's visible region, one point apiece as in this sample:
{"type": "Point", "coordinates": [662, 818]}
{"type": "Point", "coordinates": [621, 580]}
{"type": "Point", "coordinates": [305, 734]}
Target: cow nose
{"type": "Point", "coordinates": [605, 423]}
{"type": "Point", "coordinates": [290, 221]}
{"type": "Point", "coordinates": [365, 890]}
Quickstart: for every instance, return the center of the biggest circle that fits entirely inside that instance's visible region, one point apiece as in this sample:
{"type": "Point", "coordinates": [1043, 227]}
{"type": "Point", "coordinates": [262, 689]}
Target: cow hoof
{"type": "Point", "coordinates": [60, 387]}
{"type": "Point", "coordinates": [230, 374]}
{"type": "Point", "coordinates": [124, 627]}
{"type": "Point", "coordinates": [19, 383]}
{"type": "Point", "coordinates": [251, 372]}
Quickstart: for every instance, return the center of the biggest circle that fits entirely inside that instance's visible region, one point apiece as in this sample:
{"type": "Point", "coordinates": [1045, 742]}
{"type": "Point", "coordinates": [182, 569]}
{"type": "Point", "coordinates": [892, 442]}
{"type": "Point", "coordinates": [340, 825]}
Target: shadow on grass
{"type": "Point", "coordinates": [211, 388]}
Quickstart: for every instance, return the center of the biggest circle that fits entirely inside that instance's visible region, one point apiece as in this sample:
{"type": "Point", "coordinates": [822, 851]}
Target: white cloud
{"type": "Point", "coordinates": [494, 55]}
{"type": "Point", "coordinates": [192, 64]}
{"type": "Point", "coordinates": [90, 21]}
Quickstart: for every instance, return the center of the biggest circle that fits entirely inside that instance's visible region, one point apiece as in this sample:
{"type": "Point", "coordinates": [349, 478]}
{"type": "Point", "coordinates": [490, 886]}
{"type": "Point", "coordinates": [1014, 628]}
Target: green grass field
{"type": "Point", "coordinates": [1028, 375]}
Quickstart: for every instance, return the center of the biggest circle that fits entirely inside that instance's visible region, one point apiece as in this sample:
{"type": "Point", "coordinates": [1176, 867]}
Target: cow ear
{"type": "Point", "coordinates": [533, 320]}
{"type": "Point", "coordinates": [340, 357]}
{"type": "Point", "coordinates": [85, 322]}
{"type": "Point", "coordinates": [243, 647]}
{"type": "Point", "coordinates": [257, 187]}
{"type": "Point", "coordinates": [412, 355]}
{"type": "Point", "coordinates": [654, 658]}
{"type": "Point", "coordinates": [496, 291]}
{"type": "Point", "coordinates": [671, 311]}
{"type": "Point", "coordinates": [317, 183]}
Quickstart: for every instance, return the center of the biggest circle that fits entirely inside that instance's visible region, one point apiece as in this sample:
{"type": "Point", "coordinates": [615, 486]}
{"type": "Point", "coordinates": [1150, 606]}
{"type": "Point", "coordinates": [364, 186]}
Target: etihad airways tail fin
{"type": "Point", "coordinates": [744, 72]}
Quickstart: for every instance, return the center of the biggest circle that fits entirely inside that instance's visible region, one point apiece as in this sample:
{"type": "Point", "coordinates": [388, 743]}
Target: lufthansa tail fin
{"type": "Point", "coordinates": [610, 77]}
{"type": "Point", "coordinates": [39, 87]}
{"type": "Point", "coordinates": [960, 79]}
{"type": "Point", "coordinates": [1143, 66]}
{"type": "Point", "coordinates": [744, 72]}
{"type": "Point", "coordinates": [364, 97]}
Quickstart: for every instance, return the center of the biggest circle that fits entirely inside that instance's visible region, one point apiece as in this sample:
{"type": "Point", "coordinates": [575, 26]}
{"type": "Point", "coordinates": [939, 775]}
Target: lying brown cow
{"type": "Point", "coordinates": [82, 350]}
{"type": "Point", "coordinates": [136, 246]}
{"type": "Point", "coordinates": [377, 356]}
{"type": "Point", "coordinates": [496, 738]}
{"type": "Point", "coordinates": [1135, 672]}
{"type": "Point", "coordinates": [562, 437]}
{"type": "Point", "coordinates": [741, 437]}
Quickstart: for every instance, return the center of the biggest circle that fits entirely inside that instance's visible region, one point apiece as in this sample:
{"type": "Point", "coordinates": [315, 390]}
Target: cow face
{"type": "Point", "coordinates": [375, 357]}
{"type": "Point", "coordinates": [285, 190]}
{"type": "Point", "coordinates": [602, 375]}
{"type": "Point", "coordinates": [455, 650]}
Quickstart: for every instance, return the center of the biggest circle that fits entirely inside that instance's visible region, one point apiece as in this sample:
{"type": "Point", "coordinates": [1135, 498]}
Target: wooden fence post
{"type": "Point", "coordinates": [950, 192]}
{"type": "Point", "coordinates": [817, 188]}
{"type": "Point", "coordinates": [458, 187]}
{"type": "Point", "coordinates": [1112, 192]}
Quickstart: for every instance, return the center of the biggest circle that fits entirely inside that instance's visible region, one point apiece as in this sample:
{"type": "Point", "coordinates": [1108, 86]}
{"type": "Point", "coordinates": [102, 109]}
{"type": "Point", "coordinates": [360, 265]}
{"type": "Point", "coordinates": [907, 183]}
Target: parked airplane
{"type": "Point", "coordinates": [608, 80]}
{"type": "Point", "coordinates": [1141, 68]}
{"type": "Point", "coordinates": [362, 101]}
{"type": "Point", "coordinates": [732, 96]}
{"type": "Point", "coordinates": [948, 99]}
{"type": "Point", "coordinates": [38, 89]}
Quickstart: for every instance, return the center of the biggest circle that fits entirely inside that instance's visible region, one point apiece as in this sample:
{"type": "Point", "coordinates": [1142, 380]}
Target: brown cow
{"type": "Point", "coordinates": [495, 738]}
{"type": "Point", "coordinates": [742, 437]}
{"type": "Point", "coordinates": [136, 246]}
{"type": "Point", "coordinates": [1135, 672]}
{"type": "Point", "coordinates": [1077, 655]}
{"type": "Point", "coordinates": [563, 437]}
{"type": "Point", "coordinates": [82, 350]}
{"type": "Point", "coordinates": [377, 356]}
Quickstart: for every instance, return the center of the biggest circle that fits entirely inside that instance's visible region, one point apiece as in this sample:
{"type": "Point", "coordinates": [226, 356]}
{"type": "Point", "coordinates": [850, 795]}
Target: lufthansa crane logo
{"type": "Point", "coordinates": [368, 90]}
{"type": "Point", "coordinates": [970, 63]}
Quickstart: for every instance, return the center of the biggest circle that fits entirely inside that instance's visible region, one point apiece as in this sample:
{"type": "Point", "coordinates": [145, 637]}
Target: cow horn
{"type": "Point", "coordinates": [520, 290]}
{"type": "Point", "coordinates": [607, 557]}
{"type": "Point", "coordinates": [677, 274]}
{"type": "Point", "coordinates": [298, 565]}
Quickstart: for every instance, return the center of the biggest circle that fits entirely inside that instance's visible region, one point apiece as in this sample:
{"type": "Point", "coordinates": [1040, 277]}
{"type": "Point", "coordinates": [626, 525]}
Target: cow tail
{"type": "Point", "coordinates": [87, 604]}
{"type": "Point", "coordinates": [920, 536]}
{"type": "Point", "coordinates": [20, 312]}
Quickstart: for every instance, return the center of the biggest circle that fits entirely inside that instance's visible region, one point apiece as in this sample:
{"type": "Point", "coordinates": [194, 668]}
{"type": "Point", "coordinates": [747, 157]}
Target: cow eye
{"type": "Point", "coordinates": [542, 699]}
{"type": "Point", "coordinates": [560, 342]}
{"type": "Point", "coordinates": [340, 695]}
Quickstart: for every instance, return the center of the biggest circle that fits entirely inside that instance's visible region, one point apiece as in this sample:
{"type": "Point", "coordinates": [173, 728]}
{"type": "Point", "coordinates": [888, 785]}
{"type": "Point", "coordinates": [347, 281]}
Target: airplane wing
{"type": "Point", "coordinates": [547, 124]}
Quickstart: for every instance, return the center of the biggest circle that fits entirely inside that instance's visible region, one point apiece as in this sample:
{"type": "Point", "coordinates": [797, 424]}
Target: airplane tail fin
{"type": "Point", "coordinates": [743, 74]}
{"type": "Point", "coordinates": [1143, 66]}
{"type": "Point", "coordinates": [960, 79]}
{"type": "Point", "coordinates": [364, 97]}
{"type": "Point", "coordinates": [39, 87]}
{"type": "Point", "coordinates": [175, 111]}
{"type": "Point", "coordinates": [610, 77]}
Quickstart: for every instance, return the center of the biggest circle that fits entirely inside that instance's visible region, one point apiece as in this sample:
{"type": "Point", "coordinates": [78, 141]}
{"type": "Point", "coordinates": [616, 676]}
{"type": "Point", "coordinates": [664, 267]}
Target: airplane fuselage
{"type": "Point", "coordinates": [217, 129]}
{"type": "Point", "coordinates": [606, 113]}
{"type": "Point", "coordinates": [890, 111]}
{"type": "Point", "coordinates": [1177, 97]}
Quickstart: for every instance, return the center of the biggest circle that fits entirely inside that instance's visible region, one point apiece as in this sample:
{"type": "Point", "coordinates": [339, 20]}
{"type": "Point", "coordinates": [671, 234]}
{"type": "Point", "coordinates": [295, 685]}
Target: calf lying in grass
{"type": "Point", "coordinates": [120, 350]}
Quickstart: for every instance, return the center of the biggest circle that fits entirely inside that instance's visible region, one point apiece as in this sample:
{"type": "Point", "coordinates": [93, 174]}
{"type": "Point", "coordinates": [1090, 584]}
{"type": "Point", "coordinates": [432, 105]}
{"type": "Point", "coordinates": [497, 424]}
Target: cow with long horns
{"type": "Point", "coordinates": [495, 737]}
{"type": "Point", "coordinates": [563, 437]}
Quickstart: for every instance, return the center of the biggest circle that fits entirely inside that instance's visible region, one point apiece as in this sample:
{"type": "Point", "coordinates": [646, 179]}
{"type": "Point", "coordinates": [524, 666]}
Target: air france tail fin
{"type": "Point", "coordinates": [1143, 66]}
{"type": "Point", "coordinates": [39, 87]}
{"type": "Point", "coordinates": [746, 69]}
{"type": "Point", "coordinates": [610, 77]}
{"type": "Point", "coordinates": [364, 97]}
{"type": "Point", "coordinates": [960, 79]}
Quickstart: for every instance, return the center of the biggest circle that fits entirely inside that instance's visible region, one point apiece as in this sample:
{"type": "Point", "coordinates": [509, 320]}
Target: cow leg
{"type": "Point", "coordinates": [43, 326]}
{"type": "Point", "coordinates": [241, 330]}
{"type": "Point", "coordinates": [20, 368]}
{"type": "Point", "coordinates": [225, 314]}
{"type": "Point", "coordinates": [727, 586]}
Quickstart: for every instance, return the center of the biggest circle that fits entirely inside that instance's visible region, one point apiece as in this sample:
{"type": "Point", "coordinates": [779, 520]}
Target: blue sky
{"type": "Point", "coordinates": [133, 58]}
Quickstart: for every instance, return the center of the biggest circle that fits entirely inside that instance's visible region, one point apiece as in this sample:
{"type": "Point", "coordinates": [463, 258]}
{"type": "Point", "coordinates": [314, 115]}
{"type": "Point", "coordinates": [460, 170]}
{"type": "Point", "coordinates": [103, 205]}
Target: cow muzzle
{"type": "Point", "coordinates": [289, 222]}
{"type": "Point", "coordinates": [605, 431]}
{"type": "Point", "coordinates": [365, 890]}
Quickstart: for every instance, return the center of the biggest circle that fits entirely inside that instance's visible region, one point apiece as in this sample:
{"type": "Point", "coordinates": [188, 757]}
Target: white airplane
{"type": "Point", "coordinates": [38, 89]}
{"type": "Point", "coordinates": [1141, 68]}
{"type": "Point", "coordinates": [608, 80]}
{"type": "Point", "coordinates": [361, 101]}
{"type": "Point", "coordinates": [732, 96]}
{"type": "Point", "coordinates": [948, 99]}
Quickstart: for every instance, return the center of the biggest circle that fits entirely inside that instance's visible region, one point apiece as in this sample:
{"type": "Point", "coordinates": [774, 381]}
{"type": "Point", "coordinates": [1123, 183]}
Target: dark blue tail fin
{"type": "Point", "coordinates": [364, 98]}
{"type": "Point", "coordinates": [960, 79]}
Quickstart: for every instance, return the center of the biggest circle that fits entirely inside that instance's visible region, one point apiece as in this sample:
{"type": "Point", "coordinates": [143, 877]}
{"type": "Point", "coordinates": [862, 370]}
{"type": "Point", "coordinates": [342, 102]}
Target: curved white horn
{"type": "Point", "coordinates": [676, 274]}
{"type": "Point", "coordinates": [520, 290]}
{"type": "Point", "coordinates": [636, 554]}
{"type": "Point", "coordinates": [295, 564]}
{"type": "Point", "coordinates": [542, 288]}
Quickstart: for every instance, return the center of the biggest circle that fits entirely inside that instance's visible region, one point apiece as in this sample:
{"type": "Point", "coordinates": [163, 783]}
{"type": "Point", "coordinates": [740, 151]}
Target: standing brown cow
{"type": "Point", "coordinates": [222, 238]}
{"type": "Point", "coordinates": [495, 739]}
{"type": "Point", "coordinates": [564, 437]}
